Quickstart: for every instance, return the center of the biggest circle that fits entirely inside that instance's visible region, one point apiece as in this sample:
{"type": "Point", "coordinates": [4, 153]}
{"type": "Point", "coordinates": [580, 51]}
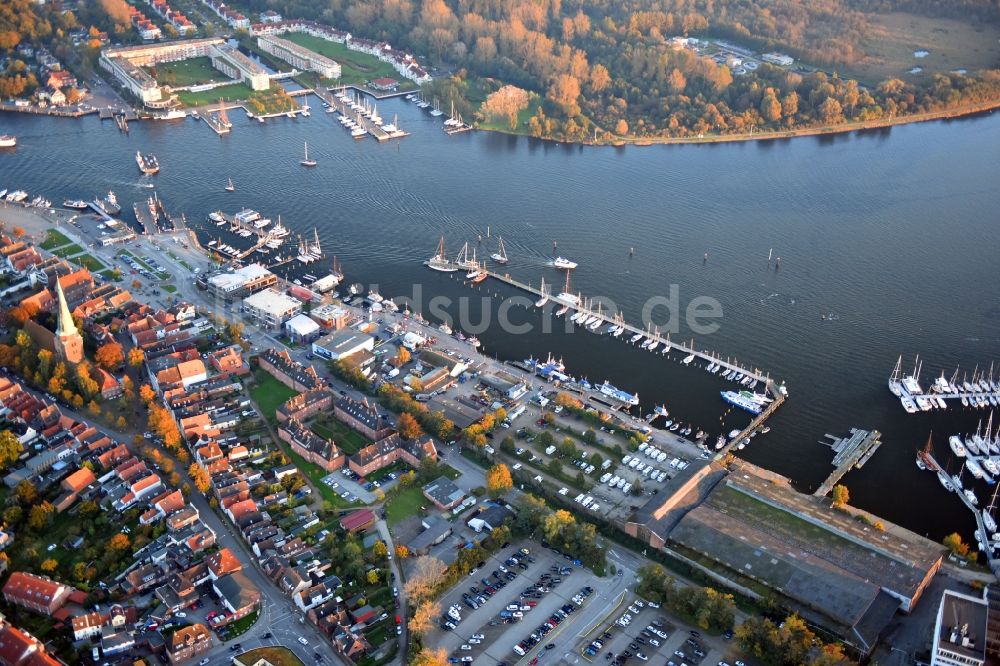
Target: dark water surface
{"type": "Point", "coordinates": [895, 233]}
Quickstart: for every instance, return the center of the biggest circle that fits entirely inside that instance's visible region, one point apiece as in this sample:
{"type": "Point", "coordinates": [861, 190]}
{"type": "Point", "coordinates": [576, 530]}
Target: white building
{"type": "Point", "coordinates": [302, 328]}
{"type": "Point", "coordinates": [271, 308]}
{"type": "Point", "coordinates": [230, 61]}
{"type": "Point", "coordinates": [299, 56]}
{"type": "Point", "coordinates": [244, 280]}
{"type": "Point", "coordinates": [341, 344]}
{"type": "Point", "coordinates": [779, 59]}
{"type": "Point", "coordinates": [960, 631]}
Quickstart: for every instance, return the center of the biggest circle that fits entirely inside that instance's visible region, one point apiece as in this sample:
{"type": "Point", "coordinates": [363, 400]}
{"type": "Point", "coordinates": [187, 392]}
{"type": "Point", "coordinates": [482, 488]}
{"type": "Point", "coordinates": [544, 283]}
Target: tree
{"type": "Point", "coordinates": [40, 516]}
{"type": "Point", "coordinates": [402, 357]}
{"type": "Point", "coordinates": [49, 565]}
{"type": "Point", "coordinates": [636, 489]}
{"type": "Point", "coordinates": [506, 103]}
{"type": "Point", "coordinates": [25, 492]}
{"type": "Point", "coordinates": [136, 356]}
{"type": "Point", "coordinates": [109, 356]}
{"type": "Point", "coordinates": [840, 496]}
{"type": "Point", "coordinates": [200, 478]}
{"type": "Point", "coordinates": [428, 573]}
{"type": "Point", "coordinates": [147, 394]}
{"type": "Point", "coordinates": [954, 543]}
{"type": "Point", "coordinates": [556, 522]}
{"type": "Point", "coordinates": [402, 552]}
{"type": "Point", "coordinates": [424, 617]}
{"type": "Point", "coordinates": [408, 427]}
{"type": "Point", "coordinates": [498, 480]}
{"type": "Point", "coordinates": [621, 127]}
{"type": "Point", "coordinates": [372, 576]}
{"type": "Point", "coordinates": [379, 549]}
{"type": "Point", "coordinates": [18, 232]}
{"type": "Point", "coordinates": [431, 657]}
{"type": "Point", "coordinates": [10, 448]}
{"type": "Point", "coordinates": [119, 543]}
{"type": "Point", "coordinates": [564, 93]}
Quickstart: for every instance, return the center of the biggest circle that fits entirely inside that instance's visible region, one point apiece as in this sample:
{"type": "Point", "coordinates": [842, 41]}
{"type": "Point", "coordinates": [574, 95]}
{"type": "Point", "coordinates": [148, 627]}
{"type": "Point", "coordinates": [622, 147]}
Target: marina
{"type": "Point", "coordinates": [981, 392]}
{"type": "Point", "coordinates": [357, 116]}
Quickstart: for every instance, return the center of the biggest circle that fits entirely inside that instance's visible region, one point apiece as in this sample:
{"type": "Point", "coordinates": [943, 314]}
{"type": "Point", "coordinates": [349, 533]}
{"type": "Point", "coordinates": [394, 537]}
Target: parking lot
{"type": "Point", "coordinates": [639, 632]}
{"type": "Point", "coordinates": [519, 608]}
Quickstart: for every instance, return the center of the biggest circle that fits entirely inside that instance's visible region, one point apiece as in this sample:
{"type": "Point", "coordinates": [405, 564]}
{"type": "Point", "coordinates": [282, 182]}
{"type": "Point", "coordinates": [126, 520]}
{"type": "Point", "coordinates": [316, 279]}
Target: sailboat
{"type": "Point", "coordinates": [306, 161]}
{"type": "Point", "coordinates": [545, 297]}
{"type": "Point", "coordinates": [895, 387]}
{"type": "Point", "coordinates": [230, 187]}
{"type": "Point", "coordinates": [500, 256]}
{"type": "Point", "coordinates": [439, 262]}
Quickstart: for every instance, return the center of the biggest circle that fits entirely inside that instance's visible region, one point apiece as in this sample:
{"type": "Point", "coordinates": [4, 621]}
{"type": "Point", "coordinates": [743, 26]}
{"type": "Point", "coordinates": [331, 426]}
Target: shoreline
{"type": "Point", "coordinates": [843, 128]}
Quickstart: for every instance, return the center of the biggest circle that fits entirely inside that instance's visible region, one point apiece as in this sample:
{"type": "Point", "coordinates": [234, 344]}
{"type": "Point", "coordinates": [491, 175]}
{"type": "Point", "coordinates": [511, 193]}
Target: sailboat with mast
{"type": "Point", "coordinates": [545, 296]}
{"type": "Point", "coordinates": [895, 387]}
{"type": "Point", "coordinates": [500, 256]}
{"type": "Point", "coordinates": [306, 162]}
{"type": "Point", "coordinates": [988, 521]}
{"type": "Point", "coordinates": [230, 187]}
{"type": "Point", "coordinates": [439, 262]}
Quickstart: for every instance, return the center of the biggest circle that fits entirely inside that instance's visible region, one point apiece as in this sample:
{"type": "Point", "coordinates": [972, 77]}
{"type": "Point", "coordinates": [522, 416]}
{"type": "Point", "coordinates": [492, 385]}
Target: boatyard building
{"type": "Point", "coordinates": [960, 631]}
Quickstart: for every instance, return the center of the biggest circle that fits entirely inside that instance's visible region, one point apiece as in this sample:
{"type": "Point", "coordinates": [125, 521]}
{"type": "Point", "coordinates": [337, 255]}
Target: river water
{"type": "Point", "coordinates": [888, 243]}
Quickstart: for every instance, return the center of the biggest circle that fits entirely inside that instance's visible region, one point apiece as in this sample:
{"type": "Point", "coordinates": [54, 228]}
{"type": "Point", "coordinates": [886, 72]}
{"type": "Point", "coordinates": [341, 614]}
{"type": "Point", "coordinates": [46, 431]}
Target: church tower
{"type": "Point", "coordinates": [68, 341]}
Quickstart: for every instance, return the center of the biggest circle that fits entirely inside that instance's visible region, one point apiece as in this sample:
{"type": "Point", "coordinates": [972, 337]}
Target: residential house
{"type": "Point", "coordinates": [40, 594]}
{"type": "Point", "coordinates": [188, 642]}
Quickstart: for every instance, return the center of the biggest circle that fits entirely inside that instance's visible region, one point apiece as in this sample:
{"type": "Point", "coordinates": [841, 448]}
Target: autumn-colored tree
{"type": "Point", "coordinates": [840, 496]}
{"type": "Point", "coordinates": [402, 552]}
{"type": "Point", "coordinates": [26, 493]}
{"type": "Point", "coordinates": [109, 356]}
{"type": "Point", "coordinates": [10, 448]}
{"type": "Point", "coordinates": [94, 408]}
{"type": "Point", "coordinates": [379, 549]}
{"type": "Point", "coordinates": [424, 617]}
{"type": "Point", "coordinates": [147, 394]}
{"type": "Point", "coordinates": [505, 103]}
{"type": "Point", "coordinates": [430, 657]}
{"type": "Point", "coordinates": [40, 516]}
{"type": "Point", "coordinates": [621, 127]}
{"type": "Point", "coordinates": [498, 480]}
{"type": "Point", "coordinates": [954, 543]}
{"type": "Point", "coordinates": [556, 522]}
{"type": "Point", "coordinates": [428, 573]}
{"type": "Point", "coordinates": [136, 356]}
{"type": "Point", "coordinates": [121, 423]}
{"type": "Point", "coordinates": [402, 357]}
{"type": "Point", "coordinates": [372, 576]}
{"type": "Point", "coordinates": [408, 427]}
{"type": "Point", "coordinates": [200, 477]}
{"type": "Point", "coordinates": [119, 543]}
{"type": "Point", "coordinates": [18, 232]}
{"type": "Point", "coordinates": [49, 565]}
{"type": "Point", "coordinates": [564, 92]}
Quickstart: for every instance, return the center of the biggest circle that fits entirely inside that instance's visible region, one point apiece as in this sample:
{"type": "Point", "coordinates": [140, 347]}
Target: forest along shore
{"type": "Point", "coordinates": [769, 135]}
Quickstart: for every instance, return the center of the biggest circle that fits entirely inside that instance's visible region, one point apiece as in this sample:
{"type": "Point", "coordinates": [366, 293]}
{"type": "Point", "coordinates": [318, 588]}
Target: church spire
{"type": "Point", "coordinates": [66, 326]}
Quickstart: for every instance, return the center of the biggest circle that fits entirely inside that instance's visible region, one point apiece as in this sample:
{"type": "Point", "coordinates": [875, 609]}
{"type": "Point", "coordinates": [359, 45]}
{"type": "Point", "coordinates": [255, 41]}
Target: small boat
{"type": "Point", "coordinates": [8, 140]}
{"type": "Point", "coordinates": [971, 496]}
{"type": "Point", "coordinates": [988, 521]}
{"type": "Point", "coordinates": [688, 359]}
{"type": "Point", "coordinates": [920, 464]}
{"type": "Point", "coordinates": [148, 164]}
{"type": "Point", "coordinates": [500, 256]}
{"type": "Point", "coordinates": [563, 263]}
{"type": "Point", "coordinates": [230, 187]}
{"type": "Point", "coordinates": [945, 481]}
{"type": "Point", "coordinates": [306, 162]}
{"type": "Point", "coordinates": [76, 204]}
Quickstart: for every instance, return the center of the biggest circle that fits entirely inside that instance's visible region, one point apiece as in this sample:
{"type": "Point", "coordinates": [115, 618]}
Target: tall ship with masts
{"type": "Point", "coordinates": [439, 262]}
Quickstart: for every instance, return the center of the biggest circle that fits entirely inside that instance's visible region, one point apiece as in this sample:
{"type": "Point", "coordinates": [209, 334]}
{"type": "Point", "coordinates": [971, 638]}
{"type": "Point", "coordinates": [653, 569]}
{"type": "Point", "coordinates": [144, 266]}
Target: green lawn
{"type": "Point", "coordinates": [355, 67]}
{"type": "Point", "coordinates": [348, 440]}
{"type": "Point", "coordinates": [88, 261]}
{"type": "Point", "coordinates": [269, 393]}
{"type": "Point", "coordinates": [315, 474]}
{"type": "Point", "coordinates": [242, 625]}
{"type": "Point", "coordinates": [404, 504]}
{"type": "Point", "coordinates": [276, 656]}
{"type": "Point", "coordinates": [68, 250]}
{"type": "Point", "coordinates": [230, 93]}
{"type": "Point", "coordinates": [186, 72]}
{"type": "Point", "coordinates": [169, 288]}
{"type": "Point", "coordinates": [53, 239]}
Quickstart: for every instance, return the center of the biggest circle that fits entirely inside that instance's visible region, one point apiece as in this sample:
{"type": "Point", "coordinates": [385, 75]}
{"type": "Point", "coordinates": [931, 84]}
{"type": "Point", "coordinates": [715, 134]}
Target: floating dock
{"type": "Point", "coordinates": [345, 109]}
{"type": "Point", "coordinates": [850, 452]}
